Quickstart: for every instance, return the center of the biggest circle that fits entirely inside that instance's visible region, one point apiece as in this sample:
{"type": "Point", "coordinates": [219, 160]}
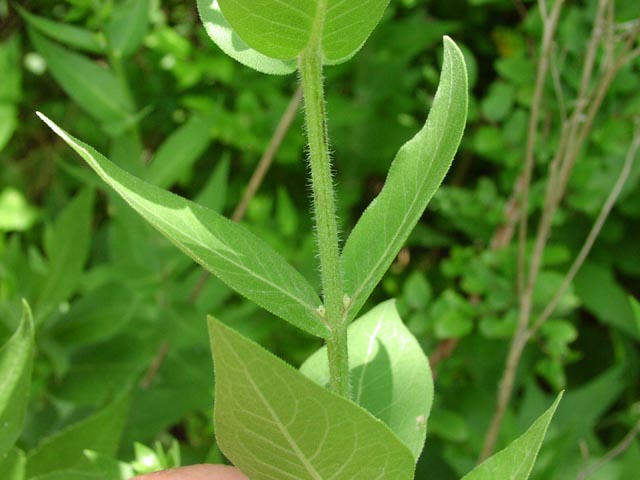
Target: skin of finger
{"type": "Point", "coordinates": [197, 472]}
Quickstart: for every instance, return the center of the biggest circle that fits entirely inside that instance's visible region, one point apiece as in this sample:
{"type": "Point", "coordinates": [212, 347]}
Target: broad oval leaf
{"type": "Point", "coordinates": [274, 423]}
{"type": "Point", "coordinates": [270, 34]}
{"type": "Point", "coordinates": [390, 374]}
{"type": "Point", "coordinates": [414, 176]}
{"type": "Point", "coordinates": [277, 28]}
{"type": "Point", "coordinates": [347, 25]}
{"type": "Point", "coordinates": [223, 247]}
{"type": "Point", "coordinates": [16, 361]}
{"type": "Point", "coordinates": [230, 43]}
{"type": "Point", "coordinates": [515, 462]}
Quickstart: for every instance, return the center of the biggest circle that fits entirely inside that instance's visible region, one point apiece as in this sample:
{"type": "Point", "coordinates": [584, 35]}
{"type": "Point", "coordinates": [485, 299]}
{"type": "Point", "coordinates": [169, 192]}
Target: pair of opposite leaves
{"type": "Point", "coordinates": [276, 32]}
{"type": "Point", "coordinates": [269, 35]}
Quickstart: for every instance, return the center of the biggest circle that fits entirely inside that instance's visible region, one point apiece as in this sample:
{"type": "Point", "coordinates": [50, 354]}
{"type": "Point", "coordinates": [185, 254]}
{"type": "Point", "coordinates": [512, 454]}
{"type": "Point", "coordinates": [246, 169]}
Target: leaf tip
{"type": "Point", "coordinates": [216, 329]}
{"type": "Point", "coordinates": [26, 312]}
{"type": "Point", "coordinates": [48, 122]}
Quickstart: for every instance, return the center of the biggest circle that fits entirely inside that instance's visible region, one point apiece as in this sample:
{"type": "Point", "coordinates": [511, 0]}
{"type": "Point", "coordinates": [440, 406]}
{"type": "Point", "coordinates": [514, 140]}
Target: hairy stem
{"type": "Point", "coordinates": [310, 66]}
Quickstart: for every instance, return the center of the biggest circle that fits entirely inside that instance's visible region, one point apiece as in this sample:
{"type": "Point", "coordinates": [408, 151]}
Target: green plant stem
{"type": "Point", "coordinates": [310, 66]}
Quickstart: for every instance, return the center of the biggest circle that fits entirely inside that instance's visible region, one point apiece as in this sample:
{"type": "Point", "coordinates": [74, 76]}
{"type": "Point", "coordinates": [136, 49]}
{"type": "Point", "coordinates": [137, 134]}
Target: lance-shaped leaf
{"type": "Point", "coordinates": [517, 459]}
{"type": "Point", "coordinates": [414, 176]}
{"type": "Point", "coordinates": [390, 374]}
{"type": "Point", "coordinates": [100, 432]}
{"type": "Point", "coordinates": [226, 249]}
{"type": "Point", "coordinates": [128, 26]}
{"type": "Point", "coordinates": [71, 35]}
{"type": "Point", "coordinates": [276, 424]}
{"type": "Point", "coordinates": [178, 152]}
{"type": "Point", "coordinates": [347, 25]}
{"type": "Point", "coordinates": [16, 360]}
{"type": "Point", "coordinates": [230, 43]}
{"type": "Point", "coordinates": [94, 88]}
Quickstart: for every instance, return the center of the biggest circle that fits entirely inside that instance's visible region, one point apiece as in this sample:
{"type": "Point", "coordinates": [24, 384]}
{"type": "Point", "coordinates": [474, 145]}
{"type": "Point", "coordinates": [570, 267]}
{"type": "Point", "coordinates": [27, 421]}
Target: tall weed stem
{"type": "Point", "coordinates": [310, 66]}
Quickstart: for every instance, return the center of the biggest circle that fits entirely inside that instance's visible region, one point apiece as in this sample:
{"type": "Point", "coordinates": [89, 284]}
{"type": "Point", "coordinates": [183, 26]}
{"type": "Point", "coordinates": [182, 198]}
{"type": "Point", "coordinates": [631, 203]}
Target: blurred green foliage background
{"type": "Point", "coordinates": [122, 347]}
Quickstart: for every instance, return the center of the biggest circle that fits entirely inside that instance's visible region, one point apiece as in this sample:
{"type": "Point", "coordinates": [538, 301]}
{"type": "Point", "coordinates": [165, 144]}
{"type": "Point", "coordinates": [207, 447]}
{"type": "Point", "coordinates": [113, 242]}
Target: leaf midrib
{"type": "Point", "coordinates": [240, 266]}
{"type": "Point", "coordinates": [86, 154]}
{"type": "Point", "coordinates": [276, 419]}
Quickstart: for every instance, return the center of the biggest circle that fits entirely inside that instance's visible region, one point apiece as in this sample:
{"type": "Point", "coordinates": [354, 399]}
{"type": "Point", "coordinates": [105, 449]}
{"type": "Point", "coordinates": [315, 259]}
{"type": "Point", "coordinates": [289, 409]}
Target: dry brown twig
{"type": "Point", "coordinates": [574, 134]}
{"type": "Point", "coordinates": [613, 453]}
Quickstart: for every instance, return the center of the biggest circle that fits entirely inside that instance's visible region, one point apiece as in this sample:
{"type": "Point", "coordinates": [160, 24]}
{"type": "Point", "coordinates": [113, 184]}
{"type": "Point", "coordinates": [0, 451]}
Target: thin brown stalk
{"type": "Point", "coordinates": [268, 156]}
{"type": "Point", "coordinates": [575, 133]}
{"type": "Point", "coordinates": [550, 22]}
{"type": "Point", "coordinates": [613, 453]}
{"type": "Point", "coordinates": [591, 238]}
{"type": "Point", "coordinates": [586, 120]}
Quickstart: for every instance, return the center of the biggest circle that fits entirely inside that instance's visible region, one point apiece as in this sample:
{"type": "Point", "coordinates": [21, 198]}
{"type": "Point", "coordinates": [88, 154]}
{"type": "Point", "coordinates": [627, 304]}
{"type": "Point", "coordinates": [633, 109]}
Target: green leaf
{"type": "Point", "coordinates": [226, 249]}
{"type": "Point", "coordinates": [128, 26]}
{"type": "Point", "coordinates": [278, 29]}
{"type": "Point", "coordinates": [603, 296]}
{"type": "Point", "coordinates": [417, 291]}
{"type": "Point", "coordinates": [10, 66]}
{"type": "Point", "coordinates": [94, 88]}
{"type": "Point", "coordinates": [67, 247]}
{"type": "Point", "coordinates": [281, 30]}
{"type": "Point", "coordinates": [414, 176]}
{"type": "Point", "coordinates": [230, 43]}
{"type": "Point", "coordinates": [273, 422]}
{"type": "Point", "coordinates": [8, 122]}
{"type": "Point", "coordinates": [214, 193]}
{"type": "Point", "coordinates": [69, 475]}
{"type": "Point", "coordinates": [16, 214]}
{"type": "Point", "coordinates": [12, 465]}
{"type": "Point", "coordinates": [99, 315]}
{"type": "Point", "coordinates": [347, 25]}
{"type": "Point", "coordinates": [10, 87]}
{"type": "Point", "coordinates": [635, 306]}
{"type": "Point", "coordinates": [179, 152]}
{"type": "Point", "coordinates": [70, 35]}
{"type": "Point", "coordinates": [16, 360]}
{"type": "Point", "coordinates": [516, 460]}
{"type": "Point", "coordinates": [100, 432]}
{"type": "Point", "coordinates": [390, 374]}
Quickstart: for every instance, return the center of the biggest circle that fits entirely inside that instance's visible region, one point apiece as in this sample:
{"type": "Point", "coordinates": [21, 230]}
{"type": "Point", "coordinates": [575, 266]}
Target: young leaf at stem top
{"type": "Point", "coordinates": [230, 43]}
{"type": "Point", "coordinates": [414, 176]}
{"type": "Point", "coordinates": [268, 35]}
{"type": "Point", "coordinates": [279, 29]}
{"type": "Point", "coordinates": [223, 247]}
